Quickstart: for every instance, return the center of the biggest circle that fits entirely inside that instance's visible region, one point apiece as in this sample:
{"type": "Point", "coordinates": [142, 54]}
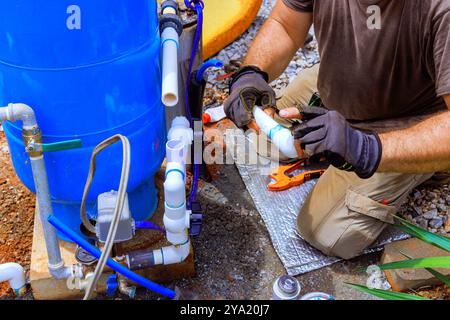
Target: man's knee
{"type": "Point", "coordinates": [344, 215]}
{"type": "Point", "coordinates": [343, 226]}
{"type": "Point", "coordinates": [341, 233]}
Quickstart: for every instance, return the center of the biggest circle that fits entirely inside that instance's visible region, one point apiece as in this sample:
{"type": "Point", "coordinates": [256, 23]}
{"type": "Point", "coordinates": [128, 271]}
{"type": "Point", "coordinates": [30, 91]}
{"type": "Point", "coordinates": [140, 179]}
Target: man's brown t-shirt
{"type": "Point", "coordinates": [400, 69]}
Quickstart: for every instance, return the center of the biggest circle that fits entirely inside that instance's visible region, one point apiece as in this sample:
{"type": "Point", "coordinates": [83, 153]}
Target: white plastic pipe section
{"type": "Point", "coordinates": [169, 44]}
{"type": "Point", "coordinates": [281, 137]}
{"type": "Point", "coordinates": [15, 275]}
{"type": "Point", "coordinates": [176, 216]}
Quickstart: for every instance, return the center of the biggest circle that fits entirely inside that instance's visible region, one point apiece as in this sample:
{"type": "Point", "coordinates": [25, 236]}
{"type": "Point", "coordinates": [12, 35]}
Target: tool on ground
{"type": "Point", "coordinates": [318, 296]}
{"type": "Point", "coordinates": [282, 178]}
{"type": "Point", "coordinates": [213, 115]}
{"type": "Point", "coordinates": [286, 288]}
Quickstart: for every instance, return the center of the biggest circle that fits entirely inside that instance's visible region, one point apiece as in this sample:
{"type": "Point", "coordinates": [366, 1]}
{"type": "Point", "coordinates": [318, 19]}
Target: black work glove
{"type": "Point", "coordinates": [248, 88]}
{"type": "Point", "coordinates": [327, 133]}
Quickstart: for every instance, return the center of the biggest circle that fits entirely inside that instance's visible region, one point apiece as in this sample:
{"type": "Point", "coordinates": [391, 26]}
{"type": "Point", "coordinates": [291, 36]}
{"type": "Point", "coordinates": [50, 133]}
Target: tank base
{"type": "Point", "coordinates": [46, 288]}
{"type": "Point", "coordinates": [143, 203]}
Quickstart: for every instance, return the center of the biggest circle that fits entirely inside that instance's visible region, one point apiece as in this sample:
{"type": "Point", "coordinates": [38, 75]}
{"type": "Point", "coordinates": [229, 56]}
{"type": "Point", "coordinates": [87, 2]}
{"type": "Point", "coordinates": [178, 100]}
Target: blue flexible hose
{"type": "Point", "coordinates": [69, 233]}
{"type": "Point", "coordinates": [205, 66]}
{"type": "Point", "coordinates": [198, 6]}
{"type": "Point", "coordinates": [148, 226]}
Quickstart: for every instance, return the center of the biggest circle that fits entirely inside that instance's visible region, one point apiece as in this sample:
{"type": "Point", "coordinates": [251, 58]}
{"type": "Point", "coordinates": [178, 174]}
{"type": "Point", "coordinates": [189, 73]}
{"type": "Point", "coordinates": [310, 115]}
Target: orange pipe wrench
{"type": "Point", "coordinates": [282, 179]}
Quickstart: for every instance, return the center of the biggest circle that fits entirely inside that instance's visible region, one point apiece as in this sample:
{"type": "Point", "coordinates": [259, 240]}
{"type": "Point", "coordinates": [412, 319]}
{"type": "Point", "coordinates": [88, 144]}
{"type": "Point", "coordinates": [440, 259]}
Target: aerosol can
{"type": "Point", "coordinates": [286, 288]}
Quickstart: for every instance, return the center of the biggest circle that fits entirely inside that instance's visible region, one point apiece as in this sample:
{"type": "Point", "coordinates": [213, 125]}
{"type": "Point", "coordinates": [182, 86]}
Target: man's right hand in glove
{"type": "Point", "coordinates": [249, 88]}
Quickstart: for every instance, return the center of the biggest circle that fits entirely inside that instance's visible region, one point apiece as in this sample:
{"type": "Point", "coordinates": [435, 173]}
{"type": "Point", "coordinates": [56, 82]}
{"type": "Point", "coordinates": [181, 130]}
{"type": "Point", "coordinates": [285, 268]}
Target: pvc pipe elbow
{"type": "Point", "coordinates": [172, 255]}
{"type": "Point", "coordinates": [15, 275]}
{"type": "Point", "coordinates": [170, 43]}
{"type": "Point", "coordinates": [22, 112]}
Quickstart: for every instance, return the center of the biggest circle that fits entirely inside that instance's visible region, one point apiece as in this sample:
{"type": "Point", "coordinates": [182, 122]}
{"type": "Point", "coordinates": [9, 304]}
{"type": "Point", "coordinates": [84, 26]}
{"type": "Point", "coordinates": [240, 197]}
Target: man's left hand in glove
{"type": "Point", "coordinates": [328, 133]}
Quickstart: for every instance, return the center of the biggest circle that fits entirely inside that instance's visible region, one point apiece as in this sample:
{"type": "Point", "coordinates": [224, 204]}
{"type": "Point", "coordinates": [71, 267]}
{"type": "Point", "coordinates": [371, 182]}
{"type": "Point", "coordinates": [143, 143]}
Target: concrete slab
{"type": "Point", "coordinates": [402, 280]}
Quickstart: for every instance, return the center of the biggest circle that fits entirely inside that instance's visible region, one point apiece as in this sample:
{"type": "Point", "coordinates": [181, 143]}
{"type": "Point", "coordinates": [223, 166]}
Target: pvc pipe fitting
{"type": "Point", "coordinates": [22, 112]}
{"type": "Point", "coordinates": [181, 130]}
{"type": "Point", "coordinates": [170, 43]}
{"type": "Point", "coordinates": [175, 223]}
{"type": "Point", "coordinates": [281, 137]}
{"type": "Point", "coordinates": [175, 213]}
{"type": "Point", "coordinates": [15, 275]}
{"type": "Point", "coordinates": [172, 255]}
{"type": "Point", "coordinates": [176, 151]}
{"type": "Point", "coordinates": [176, 229]}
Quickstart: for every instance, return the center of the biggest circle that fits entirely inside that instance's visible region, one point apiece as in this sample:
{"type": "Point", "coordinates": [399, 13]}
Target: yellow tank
{"type": "Point", "coordinates": [225, 21]}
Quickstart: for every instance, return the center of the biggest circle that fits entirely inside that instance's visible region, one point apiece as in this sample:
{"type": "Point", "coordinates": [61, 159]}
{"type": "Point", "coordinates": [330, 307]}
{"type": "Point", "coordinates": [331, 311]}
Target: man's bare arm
{"type": "Point", "coordinates": [423, 148]}
{"type": "Point", "coordinates": [281, 36]}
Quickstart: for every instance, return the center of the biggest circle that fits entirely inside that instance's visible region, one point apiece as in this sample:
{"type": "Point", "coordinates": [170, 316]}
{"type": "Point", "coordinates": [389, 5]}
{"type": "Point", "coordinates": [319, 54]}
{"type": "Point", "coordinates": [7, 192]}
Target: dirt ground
{"type": "Point", "coordinates": [233, 255]}
{"type": "Point", "coordinates": [17, 206]}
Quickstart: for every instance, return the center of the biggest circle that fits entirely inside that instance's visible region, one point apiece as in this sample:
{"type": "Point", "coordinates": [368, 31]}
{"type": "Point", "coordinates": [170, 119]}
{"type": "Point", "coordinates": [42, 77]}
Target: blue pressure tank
{"type": "Point", "coordinates": [90, 70]}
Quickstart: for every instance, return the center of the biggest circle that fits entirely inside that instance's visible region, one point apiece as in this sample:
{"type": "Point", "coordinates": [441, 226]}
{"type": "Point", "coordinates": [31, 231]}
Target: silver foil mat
{"type": "Point", "coordinates": [279, 211]}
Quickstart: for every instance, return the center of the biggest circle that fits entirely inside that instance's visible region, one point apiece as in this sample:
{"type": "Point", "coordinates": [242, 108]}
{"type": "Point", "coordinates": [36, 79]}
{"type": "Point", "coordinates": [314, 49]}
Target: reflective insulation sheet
{"type": "Point", "coordinates": [279, 211]}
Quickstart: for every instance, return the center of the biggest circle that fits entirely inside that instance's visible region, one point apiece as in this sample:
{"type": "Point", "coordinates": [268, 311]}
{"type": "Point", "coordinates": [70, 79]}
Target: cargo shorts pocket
{"type": "Point", "coordinates": [366, 219]}
{"type": "Point", "coordinates": [366, 206]}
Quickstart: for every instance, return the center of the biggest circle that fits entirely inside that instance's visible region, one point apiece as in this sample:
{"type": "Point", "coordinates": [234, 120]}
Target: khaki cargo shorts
{"type": "Point", "coordinates": [345, 214]}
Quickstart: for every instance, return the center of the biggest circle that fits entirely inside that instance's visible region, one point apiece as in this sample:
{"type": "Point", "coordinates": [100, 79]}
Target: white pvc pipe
{"type": "Point", "coordinates": [170, 43]}
{"type": "Point", "coordinates": [15, 275]}
{"type": "Point", "coordinates": [281, 137]}
{"type": "Point", "coordinates": [172, 254]}
{"type": "Point", "coordinates": [175, 214]}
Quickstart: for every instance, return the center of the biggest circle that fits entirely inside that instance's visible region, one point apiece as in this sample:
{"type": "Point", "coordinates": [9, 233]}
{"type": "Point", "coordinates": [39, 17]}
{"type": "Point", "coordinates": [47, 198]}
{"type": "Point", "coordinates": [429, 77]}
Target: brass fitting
{"type": "Point", "coordinates": [32, 139]}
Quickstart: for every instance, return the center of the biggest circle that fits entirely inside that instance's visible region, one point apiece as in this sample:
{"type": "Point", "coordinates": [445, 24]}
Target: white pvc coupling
{"type": "Point", "coordinates": [176, 152]}
{"type": "Point", "coordinates": [15, 275]}
{"type": "Point", "coordinates": [281, 137]}
{"type": "Point", "coordinates": [170, 43]}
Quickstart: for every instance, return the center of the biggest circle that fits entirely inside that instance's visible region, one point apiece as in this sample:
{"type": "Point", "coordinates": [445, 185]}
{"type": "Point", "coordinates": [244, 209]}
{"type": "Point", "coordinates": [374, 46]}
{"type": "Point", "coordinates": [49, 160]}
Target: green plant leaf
{"type": "Point", "coordinates": [424, 235]}
{"type": "Point", "coordinates": [387, 295]}
{"type": "Point", "coordinates": [423, 263]}
{"type": "Point", "coordinates": [442, 277]}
